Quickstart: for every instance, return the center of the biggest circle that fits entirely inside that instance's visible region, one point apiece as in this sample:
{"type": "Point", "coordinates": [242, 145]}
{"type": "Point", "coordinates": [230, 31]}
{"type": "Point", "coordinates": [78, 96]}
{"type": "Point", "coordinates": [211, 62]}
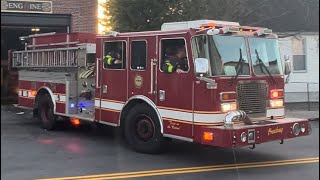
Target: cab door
{"type": "Point", "coordinates": [142, 67]}
{"type": "Point", "coordinates": [175, 91]}
{"type": "Point", "coordinates": [113, 81]}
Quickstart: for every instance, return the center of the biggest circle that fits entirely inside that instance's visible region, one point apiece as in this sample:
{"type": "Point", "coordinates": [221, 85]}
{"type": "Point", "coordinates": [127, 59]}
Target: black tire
{"type": "Point", "coordinates": [142, 130]}
{"type": "Point", "coordinates": [46, 113]}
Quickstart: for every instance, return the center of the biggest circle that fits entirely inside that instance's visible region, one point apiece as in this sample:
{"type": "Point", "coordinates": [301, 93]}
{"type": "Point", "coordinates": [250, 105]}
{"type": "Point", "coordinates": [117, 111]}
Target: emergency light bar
{"type": "Point", "coordinates": [195, 24]}
{"type": "Point", "coordinates": [232, 29]}
{"type": "Point", "coordinates": [215, 27]}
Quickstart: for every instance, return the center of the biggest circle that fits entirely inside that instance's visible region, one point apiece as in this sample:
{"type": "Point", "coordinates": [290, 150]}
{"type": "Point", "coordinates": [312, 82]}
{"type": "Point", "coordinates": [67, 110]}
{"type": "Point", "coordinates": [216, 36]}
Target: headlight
{"type": "Point", "coordinates": [296, 129]}
{"type": "Point", "coordinates": [227, 107]}
{"type": "Point", "coordinates": [276, 103]}
{"type": "Point", "coordinates": [243, 137]}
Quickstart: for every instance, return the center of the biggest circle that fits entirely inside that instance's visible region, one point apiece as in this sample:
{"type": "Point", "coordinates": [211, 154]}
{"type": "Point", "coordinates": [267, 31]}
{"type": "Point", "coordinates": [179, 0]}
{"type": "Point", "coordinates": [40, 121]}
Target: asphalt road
{"type": "Point", "coordinates": [28, 152]}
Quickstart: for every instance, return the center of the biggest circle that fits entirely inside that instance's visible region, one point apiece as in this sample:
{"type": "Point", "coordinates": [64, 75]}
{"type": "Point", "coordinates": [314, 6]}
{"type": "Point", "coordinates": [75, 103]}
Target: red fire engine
{"type": "Point", "coordinates": [230, 93]}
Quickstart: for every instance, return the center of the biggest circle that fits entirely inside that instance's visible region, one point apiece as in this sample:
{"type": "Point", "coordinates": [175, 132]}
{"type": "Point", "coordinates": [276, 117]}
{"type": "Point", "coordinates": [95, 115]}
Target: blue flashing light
{"type": "Point", "coordinates": [85, 104]}
{"type": "Point", "coordinates": [82, 105]}
{"type": "Point", "coordinates": [72, 105]}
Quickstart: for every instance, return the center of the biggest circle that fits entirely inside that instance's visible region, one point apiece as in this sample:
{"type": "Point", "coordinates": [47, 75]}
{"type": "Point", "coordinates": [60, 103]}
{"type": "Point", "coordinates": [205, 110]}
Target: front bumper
{"type": "Point", "coordinates": [264, 131]}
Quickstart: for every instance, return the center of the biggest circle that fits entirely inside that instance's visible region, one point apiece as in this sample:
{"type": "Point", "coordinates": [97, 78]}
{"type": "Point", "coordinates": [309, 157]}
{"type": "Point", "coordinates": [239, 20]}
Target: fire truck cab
{"type": "Point", "coordinates": [210, 82]}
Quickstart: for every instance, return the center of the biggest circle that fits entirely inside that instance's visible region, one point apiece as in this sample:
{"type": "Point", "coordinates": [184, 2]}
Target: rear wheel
{"type": "Point", "coordinates": [46, 113]}
{"type": "Point", "coordinates": [142, 130]}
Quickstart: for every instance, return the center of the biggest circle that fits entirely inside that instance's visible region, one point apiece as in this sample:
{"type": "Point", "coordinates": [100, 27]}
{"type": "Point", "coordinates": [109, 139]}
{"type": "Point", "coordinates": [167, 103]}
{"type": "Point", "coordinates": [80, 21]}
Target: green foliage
{"type": "Point", "coordinates": [137, 15]}
{"type": "Point", "coordinates": [284, 15]}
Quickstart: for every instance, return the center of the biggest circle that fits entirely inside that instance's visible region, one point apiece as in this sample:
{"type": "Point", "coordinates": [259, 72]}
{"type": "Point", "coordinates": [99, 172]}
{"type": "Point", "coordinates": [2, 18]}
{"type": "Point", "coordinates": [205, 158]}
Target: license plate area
{"type": "Point", "coordinates": [251, 136]}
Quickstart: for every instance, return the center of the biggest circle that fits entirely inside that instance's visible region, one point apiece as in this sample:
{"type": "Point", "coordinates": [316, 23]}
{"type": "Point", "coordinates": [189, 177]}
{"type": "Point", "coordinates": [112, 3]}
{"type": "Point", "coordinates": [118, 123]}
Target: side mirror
{"type": "Point", "coordinates": [201, 66]}
{"type": "Point", "coordinates": [287, 65]}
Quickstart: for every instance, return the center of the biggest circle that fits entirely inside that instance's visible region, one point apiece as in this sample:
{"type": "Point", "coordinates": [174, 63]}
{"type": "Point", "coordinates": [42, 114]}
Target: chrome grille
{"type": "Point", "coordinates": [252, 96]}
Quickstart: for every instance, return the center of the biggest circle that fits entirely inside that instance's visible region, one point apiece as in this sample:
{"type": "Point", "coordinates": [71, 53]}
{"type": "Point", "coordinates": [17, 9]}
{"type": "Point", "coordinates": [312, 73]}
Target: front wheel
{"type": "Point", "coordinates": [142, 130]}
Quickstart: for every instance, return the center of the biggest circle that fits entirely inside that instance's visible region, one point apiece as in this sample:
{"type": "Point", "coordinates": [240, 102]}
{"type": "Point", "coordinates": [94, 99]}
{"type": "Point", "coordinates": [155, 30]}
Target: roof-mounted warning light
{"type": "Point", "coordinates": [111, 33]}
{"type": "Point", "coordinates": [208, 25]}
{"type": "Point", "coordinates": [229, 29]}
{"type": "Point", "coordinates": [223, 30]}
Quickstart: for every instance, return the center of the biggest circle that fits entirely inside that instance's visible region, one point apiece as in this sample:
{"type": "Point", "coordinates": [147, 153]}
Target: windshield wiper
{"type": "Point", "coordinates": [261, 64]}
{"type": "Point", "coordinates": [239, 68]}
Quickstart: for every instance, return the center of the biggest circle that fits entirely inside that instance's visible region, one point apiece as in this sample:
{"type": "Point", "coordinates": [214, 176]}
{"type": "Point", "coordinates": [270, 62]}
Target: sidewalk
{"type": "Point", "coordinates": [303, 110]}
{"type": "Point", "coordinates": [311, 115]}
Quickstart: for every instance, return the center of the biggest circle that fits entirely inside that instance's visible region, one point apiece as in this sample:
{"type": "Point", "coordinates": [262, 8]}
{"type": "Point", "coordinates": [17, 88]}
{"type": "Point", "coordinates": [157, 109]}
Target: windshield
{"type": "Point", "coordinates": [227, 54]}
{"type": "Point", "coordinates": [265, 51]}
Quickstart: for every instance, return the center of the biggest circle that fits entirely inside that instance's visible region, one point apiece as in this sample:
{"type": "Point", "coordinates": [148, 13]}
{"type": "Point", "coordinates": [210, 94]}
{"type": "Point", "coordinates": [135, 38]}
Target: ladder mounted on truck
{"type": "Point", "coordinates": [62, 53]}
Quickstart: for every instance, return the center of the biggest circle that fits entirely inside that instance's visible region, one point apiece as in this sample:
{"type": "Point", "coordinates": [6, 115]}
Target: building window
{"type": "Point", "coordinates": [298, 54]}
{"type": "Point", "coordinates": [115, 55]}
{"type": "Point", "coordinates": [138, 55]}
{"type": "Point", "coordinates": [299, 63]}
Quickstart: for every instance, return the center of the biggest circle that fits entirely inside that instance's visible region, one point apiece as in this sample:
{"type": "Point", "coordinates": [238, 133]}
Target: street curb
{"type": "Point", "coordinates": [313, 119]}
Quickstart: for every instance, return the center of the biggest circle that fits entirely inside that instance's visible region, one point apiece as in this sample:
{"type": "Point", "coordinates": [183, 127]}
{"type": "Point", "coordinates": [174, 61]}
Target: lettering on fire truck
{"type": "Point", "coordinates": [275, 131]}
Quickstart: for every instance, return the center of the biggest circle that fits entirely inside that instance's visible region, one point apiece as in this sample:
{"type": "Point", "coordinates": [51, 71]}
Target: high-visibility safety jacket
{"type": "Point", "coordinates": [170, 65]}
{"type": "Point", "coordinates": [110, 62]}
{"type": "Point", "coordinates": [109, 59]}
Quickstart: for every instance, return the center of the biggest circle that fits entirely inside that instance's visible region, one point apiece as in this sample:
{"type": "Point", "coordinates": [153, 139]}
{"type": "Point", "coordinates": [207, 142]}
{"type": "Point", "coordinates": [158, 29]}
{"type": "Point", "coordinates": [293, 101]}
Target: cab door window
{"type": "Point", "coordinates": [115, 55]}
{"type": "Point", "coordinates": [138, 55]}
{"type": "Point", "coordinates": [174, 56]}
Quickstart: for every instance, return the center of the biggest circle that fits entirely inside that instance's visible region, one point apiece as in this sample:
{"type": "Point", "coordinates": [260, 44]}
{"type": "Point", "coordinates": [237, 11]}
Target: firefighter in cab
{"type": "Point", "coordinates": [175, 60]}
{"type": "Point", "coordinates": [113, 60]}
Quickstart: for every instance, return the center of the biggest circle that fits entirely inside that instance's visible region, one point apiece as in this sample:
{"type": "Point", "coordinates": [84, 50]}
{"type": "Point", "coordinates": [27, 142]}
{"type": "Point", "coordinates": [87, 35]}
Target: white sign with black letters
{"type": "Point", "coordinates": [26, 6]}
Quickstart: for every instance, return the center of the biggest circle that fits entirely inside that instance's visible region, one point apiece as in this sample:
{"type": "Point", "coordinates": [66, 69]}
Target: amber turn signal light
{"type": "Point", "coordinates": [75, 121]}
{"type": "Point", "coordinates": [207, 136]}
{"type": "Point", "coordinates": [228, 96]}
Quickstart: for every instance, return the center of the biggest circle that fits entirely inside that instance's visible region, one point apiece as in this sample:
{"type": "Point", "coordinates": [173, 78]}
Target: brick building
{"type": "Point", "coordinates": [83, 13]}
